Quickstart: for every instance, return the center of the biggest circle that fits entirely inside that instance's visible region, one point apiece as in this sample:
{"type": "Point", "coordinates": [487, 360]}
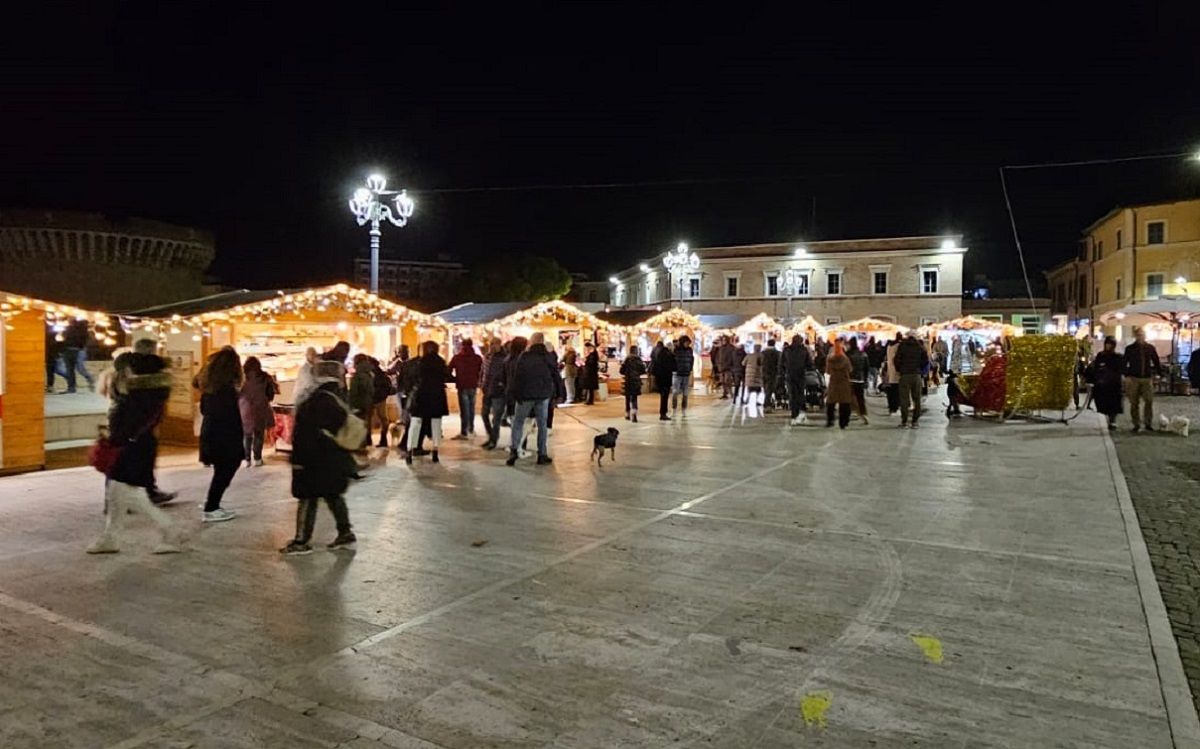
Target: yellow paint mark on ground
{"type": "Point", "coordinates": [930, 646]}
{"type": "Point", "coordinates": [813, 707]}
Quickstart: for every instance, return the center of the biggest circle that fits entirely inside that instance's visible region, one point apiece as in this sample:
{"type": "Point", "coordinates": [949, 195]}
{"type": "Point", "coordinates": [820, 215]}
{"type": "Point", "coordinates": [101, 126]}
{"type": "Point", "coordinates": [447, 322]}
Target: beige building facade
{"type": "Point", "coordinates": [908, 280]}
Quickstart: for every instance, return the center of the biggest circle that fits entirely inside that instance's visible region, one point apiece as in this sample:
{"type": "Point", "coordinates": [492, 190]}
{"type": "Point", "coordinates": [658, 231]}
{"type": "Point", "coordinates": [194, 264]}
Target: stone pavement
{"type": "Point", "coordinates": [1163, 474]}
{"type": "Point", "coordinates": [728, 582]}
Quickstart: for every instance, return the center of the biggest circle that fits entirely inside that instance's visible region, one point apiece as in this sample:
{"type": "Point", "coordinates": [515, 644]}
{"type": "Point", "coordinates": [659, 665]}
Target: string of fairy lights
{"type": "Point", "coordinates": [367, 307]}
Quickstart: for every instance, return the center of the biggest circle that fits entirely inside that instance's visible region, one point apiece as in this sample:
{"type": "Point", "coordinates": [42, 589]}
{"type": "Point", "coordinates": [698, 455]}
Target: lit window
{"type": "Point", "coordinates": [1156, 232]}
{"type": "Point", "coordinates": [802, 284]}
{"type": "Point", "coordinates": [693, 287]}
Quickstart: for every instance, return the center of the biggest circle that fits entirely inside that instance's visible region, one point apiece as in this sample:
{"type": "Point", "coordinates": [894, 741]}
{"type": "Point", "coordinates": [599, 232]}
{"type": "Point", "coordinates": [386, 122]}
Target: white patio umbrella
{"type": "Point", "coordinates": [1173, 310]}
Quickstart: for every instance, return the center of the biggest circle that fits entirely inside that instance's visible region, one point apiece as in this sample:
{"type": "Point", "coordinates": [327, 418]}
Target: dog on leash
{"type": "Point", "coordinates": [605, 441]}
{"type": "Point", "coordinates": [1177, 424]}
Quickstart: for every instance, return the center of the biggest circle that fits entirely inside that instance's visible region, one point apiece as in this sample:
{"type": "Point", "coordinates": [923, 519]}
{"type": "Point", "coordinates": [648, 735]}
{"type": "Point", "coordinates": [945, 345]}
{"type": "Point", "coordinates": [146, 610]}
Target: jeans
{"type": "Point", "coordinates": [306, 517]}
{"type": "Point", "coordinates": [379, 413]}
{"type": "Point", "coordinates": [466, 410]}
{"type": "Point", "coordinates": [679, 386]}
{"type": "Point", "coordinates": [540, 411]}
{"type": "Point", "coordinates": [414, 432]}
{"type": "Point", "coordinates": [631, 403]}
{"type": "Point", "coordinates": [222, 478]}
{"type": "Point", "coordinates": [54, 366]}
{"type": "Point", "coordinates": [252, 445]}
{"type": "Point", "coordinates": [795, 388]}
{"type": "Point", "coordinates": [860, 399]}
{"type": "Point", "coordinates": [910, 397]}
{"type": "Point", "coordinates": [496, 405]}
{"type": "Point", "coordinates": [873, 378]}
{"type": "Point", "coordinates": [1139, 389]}
{"type": "Point", "coordinates": [75, 360]}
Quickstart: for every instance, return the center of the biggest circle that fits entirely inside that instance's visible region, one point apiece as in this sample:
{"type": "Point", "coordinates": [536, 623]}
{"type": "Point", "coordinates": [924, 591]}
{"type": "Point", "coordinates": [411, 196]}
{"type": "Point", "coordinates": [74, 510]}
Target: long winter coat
{"type": "Point", "coordinates": [837, 366]}
{"type": "Point", "coordinates": [534, 375]}
{"type": "Point", "coordinates": [320, 468]}
{"type": "Point", "coordinates": [429, 400]}
{"type": "Point", "coordinates": [754, 370]}
{"type": "Point", "coordinates": [133, 417]}
{"type": "Point", "coordinates": [254, 402]}
{"type": "Point", "coordinates": [569, 369]}
{"type": "Point", "coordinates": [221, 430]}
{"type": "Point", "coordinates": [591, 372]}
{"type": "Point", "coordinates": [632, 370]}
{"type": "Point", "coordinates": [663, 368]}
{"type": "Point", "coordinates": [1105, 375]}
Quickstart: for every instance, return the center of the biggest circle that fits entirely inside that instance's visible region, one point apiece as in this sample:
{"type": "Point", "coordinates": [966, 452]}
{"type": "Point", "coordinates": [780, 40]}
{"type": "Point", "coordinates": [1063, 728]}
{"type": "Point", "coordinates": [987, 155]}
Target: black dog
{"type": "Point", "coordinates": [606, 441]}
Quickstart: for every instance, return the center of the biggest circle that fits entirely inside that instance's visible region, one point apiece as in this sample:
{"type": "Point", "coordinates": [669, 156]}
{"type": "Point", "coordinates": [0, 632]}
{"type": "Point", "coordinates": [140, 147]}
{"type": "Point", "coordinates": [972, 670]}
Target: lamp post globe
{"type": "Point", "coordinates": [374, 204]}
{"type": "Point", "coordinates": [679, 260]}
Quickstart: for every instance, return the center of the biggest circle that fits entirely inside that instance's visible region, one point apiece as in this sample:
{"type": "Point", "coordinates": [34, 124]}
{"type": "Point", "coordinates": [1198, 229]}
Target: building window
{"type": "Point", "coordinates": [1030, 324]}
{"type": "Point", "coordinates": [1119, 243]}
{"type": "Point", "coordinates": [1154, 285]}
{"type": "Point", "coordinates": [1156, 232]}
{"type": "Point", "coordinates": [929, 280]}
{"type": "Point", "coordinates": [1119, 295]}
{"type": "Point", "coordinates": [802, 284]}
{"type": "Point", "coordinates": [772, 286]}
{"type": "Point", "coordinates": [731, 284]}
{"type": "Point", "coordinates": [833, 320]}
{"type": "Point", "coordinates": [1096, 295]}
{"type": "Point", "coordinates": [1099, 250]}
{"type": "Point", "coordinates": [694, 287]}
{"type": "Point", "coordinates": [880, 279]}
{"type": "Point", "coordinates": [833, 283]}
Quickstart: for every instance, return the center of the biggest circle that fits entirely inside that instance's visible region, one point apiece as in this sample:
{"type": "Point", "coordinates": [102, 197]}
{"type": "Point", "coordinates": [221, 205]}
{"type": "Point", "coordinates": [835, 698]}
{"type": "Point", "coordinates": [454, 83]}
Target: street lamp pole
{"type": "Point", "coordinates": [369, 207]}
{"type": "Point", "coordinates": [791, 280]}
{"type": "Point", "coordinates": [679, 260]}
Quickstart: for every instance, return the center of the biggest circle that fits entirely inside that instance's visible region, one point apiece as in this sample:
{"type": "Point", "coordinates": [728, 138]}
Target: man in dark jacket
{"type": "Point", "coordinates": [663, 367]}
{"type": "Point", "coordinates": [534, 381]}
{"type": "Point", "coordinates": [910, 361]}
{"type": "Point", "coordinates": [1141, 367]}
{"type": "Point", "coordinates": [466, 366]}
{"type": "Point", "coordinates": [495, 396]}
{"type": "Point", "coordinates": [770, 365]}
{"type": "Point", "coordinates": [727, 361]}
{"type": "Point", "coordinates": [320, 467]}
{"type": "Point", "coordinates": [796, 361]}
{"type": "Point", "coordinates": [681, 382]}
{"type": "Point", "coordinates": [74, 354]}
{"type": "Point", "coordinates": [876, 355]}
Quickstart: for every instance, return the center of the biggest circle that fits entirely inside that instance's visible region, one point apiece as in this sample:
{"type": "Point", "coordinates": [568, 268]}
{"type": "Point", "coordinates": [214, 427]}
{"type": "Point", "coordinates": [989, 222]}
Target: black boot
{"type": "Point", "coordinates": [512, 458]}
{"type": "Point", "coordinates": [435, 456]}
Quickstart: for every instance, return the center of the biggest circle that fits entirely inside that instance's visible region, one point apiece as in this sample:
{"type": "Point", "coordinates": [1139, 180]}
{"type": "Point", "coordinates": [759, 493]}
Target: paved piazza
{"type": "Point", "coordinates": [728, 582]}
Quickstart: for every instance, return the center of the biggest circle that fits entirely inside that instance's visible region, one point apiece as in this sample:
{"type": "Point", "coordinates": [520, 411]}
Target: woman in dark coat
{"type": "Point", "coordinates": [254, 402]}
{"type": "Point", "coordinates": [320, 467]}
{"type": "Point", "coordinates": [141, 388]}
{"type": "Point", "coordinates": [429, 400]}
{"type": "Point", "coordinates": [1104, 373]}
{"type": "Point", "coordinates": [589, 381]}
{"type": "Point", "coordinates": [663, 369]}
{"type": "Point", "coordinates": [632, 370]}
{"type": "Point", "coordinates": [221, 438]}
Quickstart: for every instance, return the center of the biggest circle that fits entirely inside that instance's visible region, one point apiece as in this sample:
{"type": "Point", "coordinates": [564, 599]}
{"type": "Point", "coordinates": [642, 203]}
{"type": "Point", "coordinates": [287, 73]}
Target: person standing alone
{"type": "Point", "coordinates": [839, 394]}
{"type": "Point", "coordinates": [254, 402]}
{"type": "Point", "coordinates": [796, 362]}
{"type": "Point", "coordinates": [533, 381]}
{"type": "Point", "coordinates": [429, 400]}
{"type": "Point", "coordinates": [466, 365]}
{"type": "Point", "coordinates": [590, 382]}
{"type": "Point", "coordinates": [681, 382]}
{"type": "Point", "coordinates": [632, 370]}
{"type": "Point", "coordinates": [1141, 367]}
{"type": "Point", "coordinates": [222, 444]}
{"type": "Point", "coordinates": [663, 368]}
{"type": "Point", "coordinates": [910, 360]}
{"type": "Point", "coordinates": [859, 369]}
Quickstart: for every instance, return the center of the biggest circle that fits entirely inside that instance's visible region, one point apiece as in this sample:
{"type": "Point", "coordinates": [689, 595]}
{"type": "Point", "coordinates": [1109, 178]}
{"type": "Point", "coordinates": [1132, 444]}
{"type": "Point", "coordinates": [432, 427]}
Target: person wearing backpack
{"type": "Point", "coordinates": [384, 389]}
{"type": "Point", "coordinates": [321, 467]}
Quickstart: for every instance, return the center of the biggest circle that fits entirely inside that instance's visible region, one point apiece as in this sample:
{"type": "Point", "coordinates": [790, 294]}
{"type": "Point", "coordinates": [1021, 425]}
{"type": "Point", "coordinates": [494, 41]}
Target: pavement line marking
{"type": "Point", "coordinates": [505, 582]}
{"type": "Point", "coordinates": [1172, 681]}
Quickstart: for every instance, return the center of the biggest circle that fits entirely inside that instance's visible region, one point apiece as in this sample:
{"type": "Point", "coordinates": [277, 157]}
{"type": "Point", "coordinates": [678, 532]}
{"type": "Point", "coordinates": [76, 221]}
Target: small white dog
{"type": "Point", "coordinates": [1177, 424]}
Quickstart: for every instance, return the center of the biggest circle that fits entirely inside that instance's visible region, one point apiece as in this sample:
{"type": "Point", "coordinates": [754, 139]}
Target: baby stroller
{"type": "Point", "coordinates": [814, 389]}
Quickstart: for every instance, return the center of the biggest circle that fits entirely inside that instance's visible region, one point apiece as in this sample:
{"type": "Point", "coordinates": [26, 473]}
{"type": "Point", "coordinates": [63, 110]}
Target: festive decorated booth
{"type": "Point", "coordinates": [277, 327]}
{"type": "Point", "coordinates": [562, 323]}
{"type": "Point", "coordinates": [865, 328]}
{"type": "Point", "coordinates": [970, 340]}
{"type": "Point", "coordinates": [1035, 374]}
{"type": "Point", "coordinates": [808, 329]}
{"type": "Point", "coordinates": [1169, 323]}
{"type": "Point", "coordinates": [30, 417]}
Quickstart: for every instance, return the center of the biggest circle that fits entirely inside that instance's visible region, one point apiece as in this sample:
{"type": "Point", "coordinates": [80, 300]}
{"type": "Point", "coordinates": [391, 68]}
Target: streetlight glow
{"type": "Point", "coordinates": [644, 268]}
{"type": "Point", "coordinates": [949, 244]}
{"type": "Point", "coordinates": [800, 252]}
{"type": "Point", "coordinates": [614, 280]}
{"type": "Point", "coordinates": [368, 207]}
{"type": "Point", "coordinates": [677, 261]}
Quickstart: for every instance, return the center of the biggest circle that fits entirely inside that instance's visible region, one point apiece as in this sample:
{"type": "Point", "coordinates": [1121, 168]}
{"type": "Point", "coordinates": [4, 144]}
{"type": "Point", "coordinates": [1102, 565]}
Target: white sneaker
{"type": "Point", "coordinates": [258, 463]}
{"type": "Point", "coordinates": [523, 453]}
{"type": "Point", "coordinates": [103, 546]}
{"type": "Point", "coordinates": [219, 515]}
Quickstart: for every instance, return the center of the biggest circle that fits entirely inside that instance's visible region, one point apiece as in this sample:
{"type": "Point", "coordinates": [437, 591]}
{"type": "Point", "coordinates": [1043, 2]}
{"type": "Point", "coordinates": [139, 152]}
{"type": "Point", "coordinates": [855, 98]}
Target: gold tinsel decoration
{"type": "Point", "coordinates": [1041, 372]}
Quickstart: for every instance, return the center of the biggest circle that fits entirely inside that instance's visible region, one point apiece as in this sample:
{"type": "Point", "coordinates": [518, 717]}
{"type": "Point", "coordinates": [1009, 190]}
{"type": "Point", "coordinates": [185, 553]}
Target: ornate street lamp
{"type": "Point", "coordinates": [790, 279]}
{"type": "Point", "coordinates": [369, 207]}
{"type": "Point", "coordinates": [679, 260]}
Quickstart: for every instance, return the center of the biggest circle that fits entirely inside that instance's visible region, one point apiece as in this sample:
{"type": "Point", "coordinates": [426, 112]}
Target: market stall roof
{"type": "Point", "coordinates": [263, 305]}
{"type": "Point", "coordinates": [673, 318]}
{"type": "Point", "coordinates": [1172, 309]}
{"type": "Point", "coordinates": [627, 318]}
{"type": "Point", "coordinates": [479, 313]}
{"type": "Point", "coordinates": [102, 324]}
{"type": "Point", "coordinates": [808, 325]}
{"type": "Point", "coordinates": [970, 323]}
{"type": "Point", "coordinates": [724, 322]}
{"type": "Point", "coordinates": [866, 325]}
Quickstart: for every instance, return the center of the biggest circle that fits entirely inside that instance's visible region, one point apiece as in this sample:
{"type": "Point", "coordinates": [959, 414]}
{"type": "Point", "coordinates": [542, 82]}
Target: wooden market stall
{"type": "Point", "coordinates": [27, 411]}
{"type": "Point", "coordinates": [969, 339]}
{"type": "Point", "coordinates": [864, 327]}
{"type": "Point", "coordinates": [277, 327]}
{"type": "Point", "coordinates": [808, 329]}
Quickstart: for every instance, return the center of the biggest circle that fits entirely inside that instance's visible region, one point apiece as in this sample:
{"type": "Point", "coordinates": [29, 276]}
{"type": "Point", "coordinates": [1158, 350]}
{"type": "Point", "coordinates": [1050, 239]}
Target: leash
{"type": "Point", "coordinates": [572, 417]}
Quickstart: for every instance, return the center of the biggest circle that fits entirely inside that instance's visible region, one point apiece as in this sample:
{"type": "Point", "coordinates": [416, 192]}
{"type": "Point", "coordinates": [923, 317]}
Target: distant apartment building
{"type": "Point", "coordinates": [591, 295]}
{"type": "Point", "coordinates": [908, 280]}
{"type": "Point", "coordinates": [415, 281]}
{"type": "Point", "coordinates": [1132, 253]}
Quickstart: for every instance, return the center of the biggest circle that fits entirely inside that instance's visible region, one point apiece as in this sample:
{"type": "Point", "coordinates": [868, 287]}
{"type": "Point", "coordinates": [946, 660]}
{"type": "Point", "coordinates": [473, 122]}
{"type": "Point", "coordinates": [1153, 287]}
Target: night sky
{"type": "Point", "coordinates": [257, 122]}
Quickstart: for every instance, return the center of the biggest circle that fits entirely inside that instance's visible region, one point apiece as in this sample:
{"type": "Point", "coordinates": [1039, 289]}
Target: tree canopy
{"type": "Point", "coordinates": [519, 279]}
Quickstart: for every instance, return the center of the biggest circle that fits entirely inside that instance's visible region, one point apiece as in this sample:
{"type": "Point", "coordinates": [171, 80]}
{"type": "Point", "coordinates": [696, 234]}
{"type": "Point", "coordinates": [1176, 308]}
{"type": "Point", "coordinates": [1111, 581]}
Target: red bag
{"type": "Point", "coordinates": [103, 455]}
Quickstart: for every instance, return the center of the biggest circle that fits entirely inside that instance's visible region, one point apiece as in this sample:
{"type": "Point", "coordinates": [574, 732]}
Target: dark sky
{"type": "Point", "coordinates": [257, 121]}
